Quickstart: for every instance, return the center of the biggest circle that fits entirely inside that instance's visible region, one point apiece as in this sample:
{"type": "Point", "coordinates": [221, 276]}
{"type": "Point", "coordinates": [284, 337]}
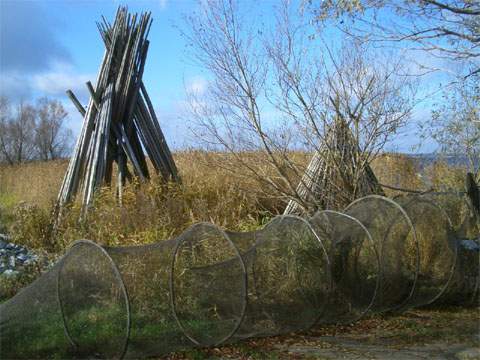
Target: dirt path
{"type": "Point", "coordinates": [344, 347]}
{"type": "Point", "coordinates": [444, 334]}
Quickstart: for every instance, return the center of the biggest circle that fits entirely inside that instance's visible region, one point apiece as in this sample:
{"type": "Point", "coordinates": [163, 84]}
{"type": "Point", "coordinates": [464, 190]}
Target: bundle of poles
{"type": "Point", "coordinates": [120, 125]}
{"type": "Point", "coordinates": [328, 178]}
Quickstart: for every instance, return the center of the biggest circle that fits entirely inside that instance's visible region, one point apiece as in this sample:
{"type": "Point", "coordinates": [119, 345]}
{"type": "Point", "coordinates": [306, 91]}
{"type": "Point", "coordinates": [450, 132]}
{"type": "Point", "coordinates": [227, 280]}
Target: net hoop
{"type": "Point", "coordinates": [173, 303]}
{"type": "Point", "coordinates": [280, 218]}
{"type": "Point", "coordinates": [409, 221]}
{"type": "Point", "coordinates": [454, 248]}
{"type": "Point", "coordinates": [377, 257]}
{"type": "Point", "coordinates": [121, 283]}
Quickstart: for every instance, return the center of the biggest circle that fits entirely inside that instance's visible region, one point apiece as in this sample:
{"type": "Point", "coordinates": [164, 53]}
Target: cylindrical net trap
{"type": "Point", "coordinates": [355, 265]}
{"type": "Point", "coordinates": [288, 278]}
{"type": "Point", "coordinates": [394, 235]}
{"type": "Point", "coordinates": [208, 285]}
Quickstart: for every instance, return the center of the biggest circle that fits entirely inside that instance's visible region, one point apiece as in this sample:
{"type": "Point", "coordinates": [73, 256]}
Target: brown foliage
{"type": "Point", "coordinates": [153, 211]}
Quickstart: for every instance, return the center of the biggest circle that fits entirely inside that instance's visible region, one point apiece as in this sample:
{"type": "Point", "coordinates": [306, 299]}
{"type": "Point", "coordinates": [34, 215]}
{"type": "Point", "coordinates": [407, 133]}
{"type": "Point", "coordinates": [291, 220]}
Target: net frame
{"type": "Point", "coordinates": [377, 258]}
{"type": "Point", "coordinates": [419, 198]}
{"type": "Point", "coordinates": [173, 302]}
{"type": "Point", "coordinates": [118, 277]}
{"type": "Point", "coordinates": [409, 222]}
{"type": "Point", "coordinates": [251, 243]}
{"type": "Point", "coordinates": [458, 224]}
{"type": "Point", "coordinates": [324, 253]}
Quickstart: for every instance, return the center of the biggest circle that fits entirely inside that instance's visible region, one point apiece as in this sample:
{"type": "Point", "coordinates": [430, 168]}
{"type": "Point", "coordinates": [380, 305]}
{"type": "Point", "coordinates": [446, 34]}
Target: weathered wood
{"type": "Point", "coordinates": [119, 122]}
{"type": "Point", "coordinates": [76, 102]}
{"type": "Point", "coordinates": [321, 183]}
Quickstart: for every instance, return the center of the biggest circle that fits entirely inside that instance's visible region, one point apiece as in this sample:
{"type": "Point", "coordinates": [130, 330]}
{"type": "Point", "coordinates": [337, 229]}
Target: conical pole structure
{"type": "Point", "coordinates": [330, 171]}
{"type": "Point", "coordinates": [120, 125]}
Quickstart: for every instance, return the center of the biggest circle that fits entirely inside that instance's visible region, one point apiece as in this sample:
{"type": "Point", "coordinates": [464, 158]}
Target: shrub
{"type": "Point", "coordinates": [32, 227]}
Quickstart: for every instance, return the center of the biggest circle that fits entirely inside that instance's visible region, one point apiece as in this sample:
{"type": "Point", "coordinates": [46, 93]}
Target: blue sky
{"type": "Point", "coordinates": [48, 47]}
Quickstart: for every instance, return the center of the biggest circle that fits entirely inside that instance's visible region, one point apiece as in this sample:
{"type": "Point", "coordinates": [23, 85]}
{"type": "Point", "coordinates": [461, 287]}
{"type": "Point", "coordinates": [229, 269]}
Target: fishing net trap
{"type": "Point", "coordinates": [210, 286]}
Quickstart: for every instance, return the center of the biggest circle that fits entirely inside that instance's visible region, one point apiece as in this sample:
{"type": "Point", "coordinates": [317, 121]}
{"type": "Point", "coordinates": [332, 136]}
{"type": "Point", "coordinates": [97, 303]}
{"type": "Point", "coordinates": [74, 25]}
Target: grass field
{"type": "Point", "coordinates": [154, 211]}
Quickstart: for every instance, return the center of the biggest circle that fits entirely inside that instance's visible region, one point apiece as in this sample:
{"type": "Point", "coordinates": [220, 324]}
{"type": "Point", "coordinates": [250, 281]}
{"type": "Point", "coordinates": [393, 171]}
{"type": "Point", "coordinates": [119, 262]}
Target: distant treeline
{"type": "Point", "coordinates": [33, 131]}
{"type": "Point", "coordinates": [424, 160]}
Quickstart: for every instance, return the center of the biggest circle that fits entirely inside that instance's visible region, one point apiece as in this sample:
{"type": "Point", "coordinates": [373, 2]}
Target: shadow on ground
{"type": "Point", "coordinates": [449, 333]}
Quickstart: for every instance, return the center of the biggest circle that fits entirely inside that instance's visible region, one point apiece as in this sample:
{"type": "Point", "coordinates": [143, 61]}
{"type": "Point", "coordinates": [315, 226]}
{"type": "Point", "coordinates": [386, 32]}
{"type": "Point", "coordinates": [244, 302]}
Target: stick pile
{"type": "Point", "coordinates": [120, 124]}
{"type": "Point", "coordinates": [329, 178]}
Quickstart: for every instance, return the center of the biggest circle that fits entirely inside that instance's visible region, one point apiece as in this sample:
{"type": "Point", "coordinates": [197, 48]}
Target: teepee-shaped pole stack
{"type": "Point", "coordinates": [330, 178]}
{"type": "Point", "coordinates": [120, 125]}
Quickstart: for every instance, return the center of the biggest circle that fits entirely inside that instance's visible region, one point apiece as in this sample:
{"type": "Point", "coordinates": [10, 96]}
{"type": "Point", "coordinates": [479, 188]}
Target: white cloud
{"type": "Point", "coordinates": [61, 78]}
{"type": "Point", "coordinates": [53, 82]}
{"type": "Point", "coordinates": [196, 85]}
{"type": "Point", "coordinates": [163, 4]}
{"type": "Point", "coordinates": [13, 84]}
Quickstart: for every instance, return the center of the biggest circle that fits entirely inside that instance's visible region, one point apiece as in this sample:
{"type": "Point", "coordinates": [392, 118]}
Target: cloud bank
{"type": "Point", "coordinates": [27, 41]}
{"type": "Point", "coordinates": [33, 62]}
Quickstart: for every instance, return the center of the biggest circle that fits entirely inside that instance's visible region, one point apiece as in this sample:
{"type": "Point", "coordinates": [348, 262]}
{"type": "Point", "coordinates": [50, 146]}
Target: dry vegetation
{"type": "Point", "coordinates": [152, 212]}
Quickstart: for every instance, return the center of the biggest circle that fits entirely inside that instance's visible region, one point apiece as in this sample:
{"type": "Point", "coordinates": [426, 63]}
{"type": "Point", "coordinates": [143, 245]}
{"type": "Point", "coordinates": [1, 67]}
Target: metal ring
{"type": "Point", "coordinates": [455, 247]}
{"type": "Point", "coordinates": [120, 282]}
{"type": "Point", "coordinates": [377, 256]}
{"type": "Point", "coordinates": [414, 233]}
{"type": "Point", "coordinates": [173, 303]}
{"type": "Point", "coordinates": [325, 254]}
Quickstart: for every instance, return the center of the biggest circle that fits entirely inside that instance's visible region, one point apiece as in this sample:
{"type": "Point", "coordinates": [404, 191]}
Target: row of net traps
{"type": "Point", "coordinates": [210, 286]}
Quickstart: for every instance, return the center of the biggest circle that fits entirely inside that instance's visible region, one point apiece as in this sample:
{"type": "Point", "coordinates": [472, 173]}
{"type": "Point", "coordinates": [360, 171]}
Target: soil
{"type": "Point", "coordinates": [451, 333]}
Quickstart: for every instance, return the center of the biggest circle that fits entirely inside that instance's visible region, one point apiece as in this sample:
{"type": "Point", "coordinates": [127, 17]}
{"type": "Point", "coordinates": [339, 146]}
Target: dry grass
{"type": "Point", "coordinates": [36, 183]}
{"type": "Point", "coordinates": [152, 212]}
{"type": "Point", "coordinates": [401, 171]}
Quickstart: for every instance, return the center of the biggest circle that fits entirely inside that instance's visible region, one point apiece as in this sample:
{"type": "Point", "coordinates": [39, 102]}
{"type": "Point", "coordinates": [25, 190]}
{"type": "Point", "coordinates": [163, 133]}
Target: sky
{"type": "Point", "coordinates": [47, 47]}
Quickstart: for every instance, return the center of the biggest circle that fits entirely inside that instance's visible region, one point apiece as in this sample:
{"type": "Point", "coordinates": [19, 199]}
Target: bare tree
{"type": "Point", "coordinates": [52, 138]}
{"type": "Point", "coordinates": [17, 132]}
{"type": "Point", "coordinates": [308, 85]}
{"type": "Point", "coordinates": [29, 132]}
{"type": "Point", "coordinates": [448, 29]}
{"type": "Point", "coordinates": [355, 102]}
{"type": "Point", "coordinates": [455, 121]}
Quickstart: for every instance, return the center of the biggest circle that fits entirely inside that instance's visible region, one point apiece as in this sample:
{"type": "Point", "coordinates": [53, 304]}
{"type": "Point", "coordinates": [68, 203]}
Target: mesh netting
{"type": "Point", "coordinates": [29, 317]}
{"type": "Point", "coordinates": [208, 285]}
{"type": "Point", "coordinates": [355, 265]}
{"type": "Point", "coordinates": [395, 239]}
{"type": "Point", "coordinates": [288, 278]}
{"type": "Point", "coordinates": [93, 301]}
{"type": "Point", "coordinates": [211, 286]}
{"type": "Point", "coordinates": [436, 246]}
{"type": "Point", "coordinates": [146, 273]}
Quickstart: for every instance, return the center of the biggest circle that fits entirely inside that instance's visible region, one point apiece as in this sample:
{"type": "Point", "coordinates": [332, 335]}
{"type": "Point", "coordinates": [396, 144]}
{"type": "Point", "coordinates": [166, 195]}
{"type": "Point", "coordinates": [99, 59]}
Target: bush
{"type": "Point", "coordinates": [155, 211]}
{"type": "Point", "coordinates": [32, 227]}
